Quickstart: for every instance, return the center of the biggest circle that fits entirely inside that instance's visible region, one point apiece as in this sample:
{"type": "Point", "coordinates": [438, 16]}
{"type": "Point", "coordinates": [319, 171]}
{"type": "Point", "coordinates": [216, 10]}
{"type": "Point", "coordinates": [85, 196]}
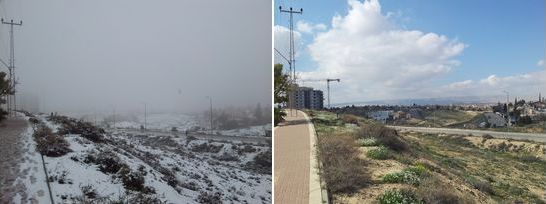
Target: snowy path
{"type": "Point", "coordinates": [21, 175]}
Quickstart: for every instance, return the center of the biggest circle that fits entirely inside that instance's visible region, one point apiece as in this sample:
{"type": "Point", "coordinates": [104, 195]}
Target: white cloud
{"type": "Point", "coordinates": [540, 63]}
{"type": "Point", "coordinates": [309, 28]}
{"type": "Point", "coordinates": [282, 43]}
{"type": "Point", "coordinates": [461, 84]}
{"type": "Point", "coordinates": [520, 85]}
{"type": "Point", "coordinates": [377, 59]}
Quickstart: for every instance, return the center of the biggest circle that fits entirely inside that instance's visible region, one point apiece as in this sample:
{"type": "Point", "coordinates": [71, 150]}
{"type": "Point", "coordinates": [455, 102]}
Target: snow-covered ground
{"type": "Point", "coordinates": [174, 169]}
{"type": "Point", "coordinates": [253, 131]}
{"type": "Point", "coordinates": [161, 121]}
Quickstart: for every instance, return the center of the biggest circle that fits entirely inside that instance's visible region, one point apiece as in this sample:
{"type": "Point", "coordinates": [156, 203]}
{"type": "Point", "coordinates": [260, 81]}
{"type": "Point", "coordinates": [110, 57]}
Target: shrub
{"type": "Point", "coordinates": [206, 147]}
{"type": "Point", "coordinates": [33, 120]}
{"type": "Point", "coordinates": [385, 136]}
{"type": "Point", "coordinates": [483, 186]}
{"type": "Point", "coordinates": [411, 175]}
{"type": "Point", "coordinates": [73, 126]}
{"type": "Point", "coordinates": [49, 143]}
{"type": "Point", "coordinates": [434, 191]}
{"type": "Point", "coordinates": [261, 163]}
{"type": "Point", "coordinates": [502, 147]}
{"type": "Point", "coordinates": [487, 136]}
{"type": "Point", "coordinates": [133, 181]}
{"type": "Point", "coordinates": [529, 158]}
{"type": "Point", "coordinates": [132, 197]}
{"type": "Point", "coordinates": [88, 191]}
{"type": "Point", "coordinates": [459, 140]}
{"type": "Point", "coordinates": [380, 153]}
{"type": "Point", "coordinates": [366, 142]}
{"type": "Point", "coordinates": [343, 170]}
{"type": "Point", "coordinates": [210, 198]}
{"type": "Point", "coordinates": [418, 169]}
{"type": "Point", "coordinates": [453, 163]}
{"type": "Point", "coordinates": [350, 119]}
{"type": "Point", "coordinates": [227, 157]}
{"type": "Point", "coordinates": [108, 162]}
{"type": "Point", "coordinates": [402, 177]}
{"type": "Point", "coordinates": [399, 196]}
{"type": "Point", "coordinates": [246, 149]}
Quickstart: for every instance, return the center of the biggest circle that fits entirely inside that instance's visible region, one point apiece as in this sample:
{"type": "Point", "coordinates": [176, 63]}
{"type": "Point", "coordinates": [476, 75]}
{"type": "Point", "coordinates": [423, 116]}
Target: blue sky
{"type": "Point", "coordinates": [501, 38]}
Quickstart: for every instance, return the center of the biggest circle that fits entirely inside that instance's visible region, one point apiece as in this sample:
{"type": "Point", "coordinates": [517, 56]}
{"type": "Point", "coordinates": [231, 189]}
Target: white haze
{"type": "Point", "coordinates": [100, 55]}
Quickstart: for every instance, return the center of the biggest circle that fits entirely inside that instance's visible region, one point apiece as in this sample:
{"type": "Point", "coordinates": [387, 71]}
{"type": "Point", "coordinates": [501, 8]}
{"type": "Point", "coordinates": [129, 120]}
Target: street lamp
{"type": "Point", "coordinates": [144, 116]}
{"type": "Point", "coordinates": [210, 100]}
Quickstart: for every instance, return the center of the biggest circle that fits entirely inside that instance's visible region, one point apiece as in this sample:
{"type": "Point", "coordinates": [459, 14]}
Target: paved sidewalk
{"type": "Point", "coordinates": [293, 173]}
{"type": "Point", "coordinates": [11, 151]}
{"type": "Point", "coordinates": [292, 160]}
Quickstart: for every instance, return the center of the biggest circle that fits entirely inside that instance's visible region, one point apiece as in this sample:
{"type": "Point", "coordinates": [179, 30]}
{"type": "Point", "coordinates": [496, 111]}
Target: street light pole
{"type": "Point", "coordinates": [145, 116]}
{"type": "Point", "coordinates": [210, 100]}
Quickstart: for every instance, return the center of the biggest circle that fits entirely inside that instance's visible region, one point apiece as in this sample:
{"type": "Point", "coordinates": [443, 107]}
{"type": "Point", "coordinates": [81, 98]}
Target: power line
{"type": "Point", "coordinates": [12, 102]}
{"type": "Point", "coordinates": [291, 56]}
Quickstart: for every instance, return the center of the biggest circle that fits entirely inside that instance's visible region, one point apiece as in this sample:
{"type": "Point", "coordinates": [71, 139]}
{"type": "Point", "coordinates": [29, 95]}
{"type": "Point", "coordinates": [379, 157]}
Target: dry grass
{"type": "Point", "coordinates": [343, 170]}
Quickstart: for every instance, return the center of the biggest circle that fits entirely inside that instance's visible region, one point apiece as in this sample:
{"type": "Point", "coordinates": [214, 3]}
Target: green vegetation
{"type": "Point", "coordinates": [411, 175]}
{"type": "Point", "coordinates": [367, 142]}
{"type": "Point", "coordinates": [380, 153]}
{"type": "Point", "coordinates": [399, 196]}
{"type": "Point", "coordinates": [280, 93]}
{"type": "Point", "coordinates": [384, 136]}
{"type": "Point", "coordinates": [434, 168]}
{"type": "Point", "coordinates": [5, 90]}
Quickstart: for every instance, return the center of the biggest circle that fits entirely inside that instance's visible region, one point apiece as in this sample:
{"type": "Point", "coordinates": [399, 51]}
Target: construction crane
{"type": "Point", "coordinates": [327, 85]}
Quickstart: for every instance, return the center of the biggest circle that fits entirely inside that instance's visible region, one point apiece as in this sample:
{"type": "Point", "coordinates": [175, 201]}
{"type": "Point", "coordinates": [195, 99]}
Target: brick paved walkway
{"type": "Point", "coordinates": [292, 148]}
{"type": "Point", "coordinates": [11, 151]}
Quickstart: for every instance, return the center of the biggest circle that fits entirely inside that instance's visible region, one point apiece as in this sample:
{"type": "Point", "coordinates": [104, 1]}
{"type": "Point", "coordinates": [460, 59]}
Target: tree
{"type": "Point", "coordinates": [5, 90]}
{"type": "Point", "coordinates": [280, 92]}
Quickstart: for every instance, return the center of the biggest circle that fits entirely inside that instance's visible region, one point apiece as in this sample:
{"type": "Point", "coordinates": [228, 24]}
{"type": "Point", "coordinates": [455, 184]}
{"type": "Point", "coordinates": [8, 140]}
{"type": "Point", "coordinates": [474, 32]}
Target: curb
{"type": "Point", "coordinates": [317, 194]}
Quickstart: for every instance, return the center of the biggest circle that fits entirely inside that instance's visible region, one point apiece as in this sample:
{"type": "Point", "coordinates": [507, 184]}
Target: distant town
{"type": "Point", "coordinates": [518, 115]}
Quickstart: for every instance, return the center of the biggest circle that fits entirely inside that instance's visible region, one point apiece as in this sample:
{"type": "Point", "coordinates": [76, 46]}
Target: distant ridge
{"type": "Point", "coordinates": [457, 100]}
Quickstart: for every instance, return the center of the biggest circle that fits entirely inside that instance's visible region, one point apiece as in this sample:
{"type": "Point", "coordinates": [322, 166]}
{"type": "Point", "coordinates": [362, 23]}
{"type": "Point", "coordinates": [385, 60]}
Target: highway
{"type": "Point", "coordinates": [538, 137]}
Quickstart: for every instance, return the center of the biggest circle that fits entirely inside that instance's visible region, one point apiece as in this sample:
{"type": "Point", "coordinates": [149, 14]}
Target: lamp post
{"type": "Point", "coordinates": [210, 100]}
{"type": "Point", "coordinates": [145, 116]}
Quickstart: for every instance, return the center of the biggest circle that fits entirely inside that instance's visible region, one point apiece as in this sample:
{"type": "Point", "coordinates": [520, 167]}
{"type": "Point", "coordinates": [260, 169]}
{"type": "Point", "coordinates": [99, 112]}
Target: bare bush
{"type": "Point", "coordinates": [352, 119]}
{"type": "Point", "coordinates": [73, 126]}
{"type": "Point", "coordinates": [108, 161]}
{"type": "Point", "coordinates": [49, 143]}
{"type": "Point", "coordinates": [210, 198]}
{"type": "Point", "coordinates": [434, 191]}
{"type": "Point", "coordinates": [343, 170]}
{"type": "Point", "coordinates": [385, 136]}
{"type": "Point", "coordinates": [206, 147]}
{"type": "Point", "coordinates": [261, 163]}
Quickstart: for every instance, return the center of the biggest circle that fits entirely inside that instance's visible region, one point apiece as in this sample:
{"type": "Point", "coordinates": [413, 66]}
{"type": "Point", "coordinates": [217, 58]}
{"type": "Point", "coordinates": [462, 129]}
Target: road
{"type": "Point", "coordinates": [538, 137]}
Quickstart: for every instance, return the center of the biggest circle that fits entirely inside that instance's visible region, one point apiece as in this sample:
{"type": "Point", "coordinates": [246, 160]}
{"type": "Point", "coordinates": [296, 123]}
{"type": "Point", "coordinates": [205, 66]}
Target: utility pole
{"type": "Point", "coordinates": [328, 87]}
{"type": "Point", "coordinates": [145, 116]}
{"type": "Point", "coordinates": [507, 101]}
{"type": "Point", "coordinates": [210, 100]}
{"type": "Point", "coordinates": [292, 57]}
{"type": "Point", "coordinates": [114, 118]}
{"type": "Point", "coordinates": [12, 102]}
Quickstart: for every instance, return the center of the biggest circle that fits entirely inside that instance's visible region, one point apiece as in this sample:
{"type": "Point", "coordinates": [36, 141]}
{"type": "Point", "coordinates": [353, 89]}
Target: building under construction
{"type": "Point", "coordinates": [308, 98]}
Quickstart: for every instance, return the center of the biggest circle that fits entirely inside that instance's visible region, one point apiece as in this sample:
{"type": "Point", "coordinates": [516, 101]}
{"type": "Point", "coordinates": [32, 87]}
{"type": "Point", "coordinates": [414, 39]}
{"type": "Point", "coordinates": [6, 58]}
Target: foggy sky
{"type": "Point", "coordinates": [99, 55]}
